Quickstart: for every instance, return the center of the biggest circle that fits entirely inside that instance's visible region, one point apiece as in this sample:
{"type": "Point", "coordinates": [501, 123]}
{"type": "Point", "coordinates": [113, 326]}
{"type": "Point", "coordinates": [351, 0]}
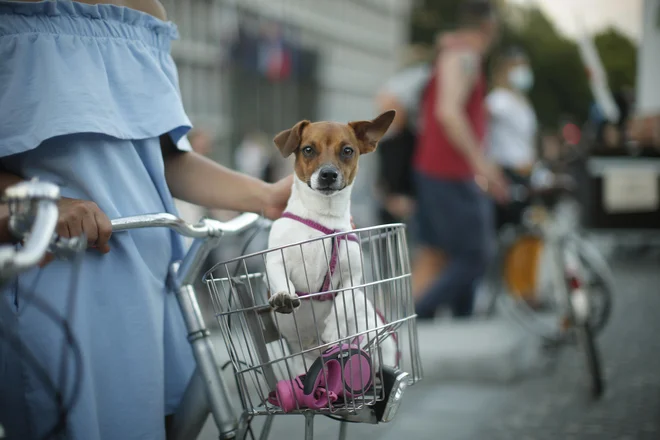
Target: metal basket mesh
{"type": "Point", "coordinates": [267, 348]}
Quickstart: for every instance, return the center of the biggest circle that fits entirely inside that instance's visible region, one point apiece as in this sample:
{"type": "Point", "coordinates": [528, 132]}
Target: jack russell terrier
{"type": "Point", "coordinates": [299, 277]}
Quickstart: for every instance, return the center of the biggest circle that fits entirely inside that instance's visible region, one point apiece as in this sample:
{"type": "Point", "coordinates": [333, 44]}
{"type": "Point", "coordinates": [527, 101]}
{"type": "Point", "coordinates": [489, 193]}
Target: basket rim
{"type": "Point", "coordinates": [393, 226]}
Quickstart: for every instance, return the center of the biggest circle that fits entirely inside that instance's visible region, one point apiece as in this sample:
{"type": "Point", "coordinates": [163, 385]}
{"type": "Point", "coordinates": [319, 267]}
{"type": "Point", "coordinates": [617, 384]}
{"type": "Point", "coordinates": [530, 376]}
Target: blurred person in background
{"type": "Point", "coordinates": [607, 133]}
{"type": "Point", "coordinates": [611, 136]}
{"type": "Point", "coordinates": [453, 214]}
{"type": "Point", "coordinates": [512, 127]}
{"type": "Point", "coordinates": [550, 147]}
{"type": "Point", "coordinates": [625, 101]}
{"type": "Point", "coordinates": [512, 138]}
{"type": "Point", "coordinates": [403, 93]}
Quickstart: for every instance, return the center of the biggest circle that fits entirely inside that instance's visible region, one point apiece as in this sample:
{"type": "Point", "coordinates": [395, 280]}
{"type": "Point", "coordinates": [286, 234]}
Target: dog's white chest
{"type": "Point", "coordinates": [308, 264]}
{"type": "Point", "coordinates": [302, 269]}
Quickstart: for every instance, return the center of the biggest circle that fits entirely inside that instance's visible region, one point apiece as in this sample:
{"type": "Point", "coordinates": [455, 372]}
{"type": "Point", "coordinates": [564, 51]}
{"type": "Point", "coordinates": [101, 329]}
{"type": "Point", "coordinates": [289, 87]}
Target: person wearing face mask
{"type": "Point", "coordinates": [512, 127]}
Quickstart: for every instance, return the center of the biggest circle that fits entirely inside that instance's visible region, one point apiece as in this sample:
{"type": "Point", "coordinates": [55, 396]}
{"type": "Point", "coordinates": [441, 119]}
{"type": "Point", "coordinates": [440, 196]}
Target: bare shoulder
{"type": "Point", "coordinates": [151, 7]}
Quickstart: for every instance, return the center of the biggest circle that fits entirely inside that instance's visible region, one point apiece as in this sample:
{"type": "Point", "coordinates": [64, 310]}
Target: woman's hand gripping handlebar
{"type": "Point", "coordinates": [33, 217]}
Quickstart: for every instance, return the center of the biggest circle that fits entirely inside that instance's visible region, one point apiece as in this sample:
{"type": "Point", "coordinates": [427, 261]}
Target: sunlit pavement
{"type": "Point", "coordinates": [470, 393]}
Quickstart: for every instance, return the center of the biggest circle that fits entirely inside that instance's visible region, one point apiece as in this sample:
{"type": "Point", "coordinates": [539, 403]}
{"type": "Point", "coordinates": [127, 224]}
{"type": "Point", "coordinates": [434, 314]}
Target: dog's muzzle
{"type": "Point", "coordinates": [327, 179]}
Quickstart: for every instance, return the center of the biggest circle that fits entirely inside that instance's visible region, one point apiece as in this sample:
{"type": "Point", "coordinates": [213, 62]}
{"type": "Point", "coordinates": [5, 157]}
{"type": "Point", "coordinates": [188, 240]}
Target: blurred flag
{"type": "Point", "coordinates": [597, 76]}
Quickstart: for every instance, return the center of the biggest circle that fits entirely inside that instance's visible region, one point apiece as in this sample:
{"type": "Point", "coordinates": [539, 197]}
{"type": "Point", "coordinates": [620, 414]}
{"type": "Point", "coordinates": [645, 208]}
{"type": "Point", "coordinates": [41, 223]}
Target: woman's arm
{"type": "Point", "coordinates": [194, 178]}
{"type": "Point", "coordinates": [458, 74]}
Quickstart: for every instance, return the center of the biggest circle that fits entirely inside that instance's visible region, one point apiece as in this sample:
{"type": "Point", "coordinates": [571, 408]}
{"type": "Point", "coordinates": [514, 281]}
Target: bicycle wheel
{"type": "Point", "coordinates": [594, 368]}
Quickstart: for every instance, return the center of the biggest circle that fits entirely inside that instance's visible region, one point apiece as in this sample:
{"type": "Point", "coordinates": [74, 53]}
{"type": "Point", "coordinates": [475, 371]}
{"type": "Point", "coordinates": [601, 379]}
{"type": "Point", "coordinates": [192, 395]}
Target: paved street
{"type": "Point", "coordinates": [551, 403]}
{"type": "Point", "coordinates": [554, 407]}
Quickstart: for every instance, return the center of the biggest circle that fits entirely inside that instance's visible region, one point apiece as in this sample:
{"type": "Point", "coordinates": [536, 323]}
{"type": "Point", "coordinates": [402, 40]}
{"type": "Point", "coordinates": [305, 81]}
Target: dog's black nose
{"type": "Point", "coordinates": [328, 175]}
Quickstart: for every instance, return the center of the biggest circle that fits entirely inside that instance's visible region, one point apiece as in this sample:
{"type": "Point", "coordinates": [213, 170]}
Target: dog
{"type": "Point", "coordinates": [326, 164]}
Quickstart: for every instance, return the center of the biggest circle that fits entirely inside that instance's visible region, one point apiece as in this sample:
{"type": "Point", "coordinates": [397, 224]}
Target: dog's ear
{"type": "Point", "coordinates": [369, 133]}
{"type": "Point", "coordinates": [288, 141]}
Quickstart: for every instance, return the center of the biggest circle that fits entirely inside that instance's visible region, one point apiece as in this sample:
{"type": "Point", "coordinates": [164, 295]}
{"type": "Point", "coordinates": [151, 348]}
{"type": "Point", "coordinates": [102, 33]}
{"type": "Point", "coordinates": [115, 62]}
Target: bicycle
{"type": "Point", "coordinates": [243, 307]}
{"type": "Point", "coordinates": [578, 305]}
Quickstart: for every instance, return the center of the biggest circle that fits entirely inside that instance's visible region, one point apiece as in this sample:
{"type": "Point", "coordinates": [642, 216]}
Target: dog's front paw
{"type": "Point", "coordinates": [284, 302]}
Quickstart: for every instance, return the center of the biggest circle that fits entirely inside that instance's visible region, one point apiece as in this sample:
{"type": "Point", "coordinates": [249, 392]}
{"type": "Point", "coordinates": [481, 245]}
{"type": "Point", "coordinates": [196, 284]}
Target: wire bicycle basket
{"type": "Point", "coordinates": [347, 352]}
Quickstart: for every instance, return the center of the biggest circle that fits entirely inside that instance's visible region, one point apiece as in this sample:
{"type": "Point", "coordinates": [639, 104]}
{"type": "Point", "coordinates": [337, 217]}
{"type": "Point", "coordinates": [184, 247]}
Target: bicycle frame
{"type": "Point", "coordinates": [206, 392]}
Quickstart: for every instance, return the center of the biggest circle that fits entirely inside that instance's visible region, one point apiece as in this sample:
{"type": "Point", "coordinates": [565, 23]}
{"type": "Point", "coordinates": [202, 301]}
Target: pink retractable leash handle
{"type": "Point", "coordinates": [289, 395]}
{"type": "Point", "coordinates": [342, 371]}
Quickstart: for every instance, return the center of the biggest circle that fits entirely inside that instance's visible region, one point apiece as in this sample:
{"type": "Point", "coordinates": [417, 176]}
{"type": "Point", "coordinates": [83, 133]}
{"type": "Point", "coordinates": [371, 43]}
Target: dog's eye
{"type": "Point", "coordinates": [307, 151]}
{"type": "Point", "coordinates": [347, 152]}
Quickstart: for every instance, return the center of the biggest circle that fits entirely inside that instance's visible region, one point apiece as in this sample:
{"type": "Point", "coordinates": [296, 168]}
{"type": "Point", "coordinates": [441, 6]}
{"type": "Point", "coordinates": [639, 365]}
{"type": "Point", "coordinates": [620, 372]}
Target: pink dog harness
{"type": "Point", "coordinates": [334, 256]}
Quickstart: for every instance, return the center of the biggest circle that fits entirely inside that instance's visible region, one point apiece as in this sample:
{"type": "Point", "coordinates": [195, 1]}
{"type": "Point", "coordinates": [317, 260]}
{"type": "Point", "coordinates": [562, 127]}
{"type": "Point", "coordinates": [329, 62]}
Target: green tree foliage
{"type": "Point", "coordinates": [561, 84]}
{"type": "Point", "coordinates": [619, 56]}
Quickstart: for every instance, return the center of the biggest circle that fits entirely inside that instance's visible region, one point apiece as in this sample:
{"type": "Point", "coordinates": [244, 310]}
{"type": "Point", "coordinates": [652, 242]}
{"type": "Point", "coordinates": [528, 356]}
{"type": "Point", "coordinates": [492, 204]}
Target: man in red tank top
{"type": "Point", "coordinates": [454, 218]}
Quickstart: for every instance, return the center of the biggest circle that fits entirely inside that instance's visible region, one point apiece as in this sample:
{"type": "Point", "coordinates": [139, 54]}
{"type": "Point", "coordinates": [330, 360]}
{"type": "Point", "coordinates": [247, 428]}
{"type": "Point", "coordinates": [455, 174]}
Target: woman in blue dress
{"type": "Point", "coordinates": [89, 100]}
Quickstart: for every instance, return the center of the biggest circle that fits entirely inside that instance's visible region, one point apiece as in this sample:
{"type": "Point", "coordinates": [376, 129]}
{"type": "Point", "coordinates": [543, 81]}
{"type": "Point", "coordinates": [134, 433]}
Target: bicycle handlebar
{"type": "Point", "coordinates": [522, 193]}
{"type": "Point", "coordinates": [205, 228]}
{"type": "Point", "coordinates": [34, 214]}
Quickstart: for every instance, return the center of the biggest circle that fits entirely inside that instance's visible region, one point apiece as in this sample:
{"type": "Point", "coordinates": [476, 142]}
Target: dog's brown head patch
{"type": "Point", "coordinates": [327, 152]}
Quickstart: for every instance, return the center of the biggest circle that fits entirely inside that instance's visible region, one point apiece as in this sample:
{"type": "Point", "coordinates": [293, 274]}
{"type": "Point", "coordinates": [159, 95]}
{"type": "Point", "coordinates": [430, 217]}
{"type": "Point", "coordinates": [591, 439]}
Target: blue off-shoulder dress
{"type": "Point", "coordinates": [85, 93]}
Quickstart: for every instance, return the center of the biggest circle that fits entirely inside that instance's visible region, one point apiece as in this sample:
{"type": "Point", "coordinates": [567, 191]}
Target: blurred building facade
{"type": "Point", "coordinates": [262, 65]}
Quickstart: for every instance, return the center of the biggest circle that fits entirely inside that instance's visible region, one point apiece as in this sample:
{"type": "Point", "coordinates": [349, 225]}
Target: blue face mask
{"type": "Point", "coordinates": [521, 78]}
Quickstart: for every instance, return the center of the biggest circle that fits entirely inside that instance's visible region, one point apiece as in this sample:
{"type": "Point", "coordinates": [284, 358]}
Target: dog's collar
{"type": "Point", "coordinates": [334, 256]}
